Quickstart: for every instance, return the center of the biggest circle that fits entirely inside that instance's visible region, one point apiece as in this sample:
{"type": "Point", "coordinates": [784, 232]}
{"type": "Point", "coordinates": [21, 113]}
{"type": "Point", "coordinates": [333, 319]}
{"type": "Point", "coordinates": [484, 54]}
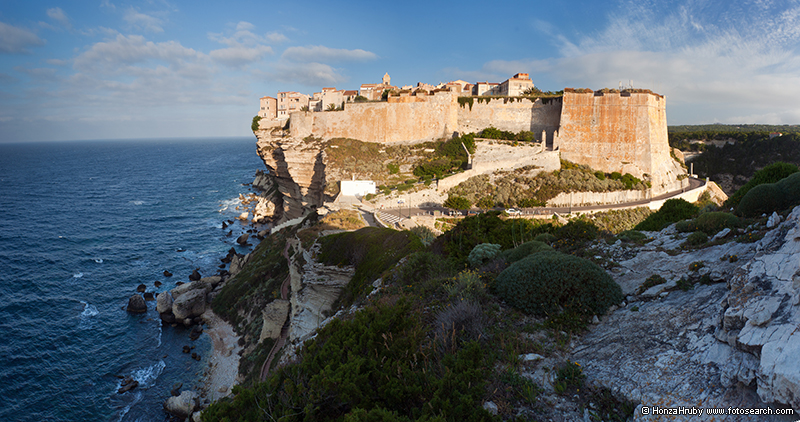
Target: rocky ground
{"type": "Point", "coordinates": [733, 342]}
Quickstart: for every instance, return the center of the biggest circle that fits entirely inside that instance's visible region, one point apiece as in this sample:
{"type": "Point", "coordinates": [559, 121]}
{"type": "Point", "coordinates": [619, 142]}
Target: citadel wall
{"type": "Point", "coordinates": [506, 114]}
{"type": "Point", "coordinates": [618, 132]}
{"type": "Point", "coordinates": [410, 120]}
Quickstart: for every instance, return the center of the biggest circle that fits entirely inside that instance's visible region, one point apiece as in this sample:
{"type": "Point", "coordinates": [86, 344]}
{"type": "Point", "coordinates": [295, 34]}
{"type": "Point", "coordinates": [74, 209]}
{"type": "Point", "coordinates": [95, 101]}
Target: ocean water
{"type": "Point", "coordinates": [82, 224]}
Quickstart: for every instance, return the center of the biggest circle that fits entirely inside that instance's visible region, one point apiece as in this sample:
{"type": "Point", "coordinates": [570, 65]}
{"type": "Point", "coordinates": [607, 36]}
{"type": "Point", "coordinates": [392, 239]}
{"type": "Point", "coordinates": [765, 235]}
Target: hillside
{"type": "Point", "coordinates": [442, 329]}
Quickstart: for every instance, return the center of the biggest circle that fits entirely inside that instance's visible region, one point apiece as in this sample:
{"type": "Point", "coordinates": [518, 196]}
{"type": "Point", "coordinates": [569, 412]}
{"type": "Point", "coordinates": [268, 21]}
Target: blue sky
{"type": "Point", "coordinates": [107, 69]}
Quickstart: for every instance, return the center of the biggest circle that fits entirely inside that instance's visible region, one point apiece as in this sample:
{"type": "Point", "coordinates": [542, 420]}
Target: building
{"type": "Point", "coordinates": [289, 102]}
{"type": "Point", "coordinates": [486, 88]}
{"type": "Point", "coordinates": [269, 108]}
{"type": "Point", "coordinates": [515, 85]}
{"type": "Point", "coordinates": [322, 101]}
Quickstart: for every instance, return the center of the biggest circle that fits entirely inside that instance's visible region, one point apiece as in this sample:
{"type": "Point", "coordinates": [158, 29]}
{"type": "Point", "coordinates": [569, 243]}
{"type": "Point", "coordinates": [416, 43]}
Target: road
{"type": "Point", "coordinates": [402, 213]}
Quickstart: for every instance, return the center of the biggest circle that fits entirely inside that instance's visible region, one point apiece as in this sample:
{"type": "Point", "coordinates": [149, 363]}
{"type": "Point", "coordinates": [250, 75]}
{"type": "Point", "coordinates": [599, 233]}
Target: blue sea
{"type": "Point", "coordinates": [82, 224]}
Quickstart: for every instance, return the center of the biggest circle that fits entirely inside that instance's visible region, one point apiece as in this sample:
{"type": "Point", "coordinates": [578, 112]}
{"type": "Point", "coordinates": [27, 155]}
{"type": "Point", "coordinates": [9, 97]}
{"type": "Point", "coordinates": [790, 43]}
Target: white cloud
{"type": "Point", "coordinates": [240, 55]}
{"type": "Point", "coordinates": [58, 15]}
{"type": "Point", "coordinates": [309, 74]}
{"type": "Point", "coordinates": [143, 21]}
{"type": "Point", "coordinates": [713, 63]}
{"type": "Point", "coordinates": [319, 53]}
{"type": "Point", "coordinates": [17, 40]}
{"type": "Point", "coordinates": [276, 37]}
{"type": "Point", "coordinates": [124, 50]}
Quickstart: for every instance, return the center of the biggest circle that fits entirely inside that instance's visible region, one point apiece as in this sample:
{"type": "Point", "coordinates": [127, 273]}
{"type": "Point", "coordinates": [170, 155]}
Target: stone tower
{"type": "Point", "coordinates": [387, 80]}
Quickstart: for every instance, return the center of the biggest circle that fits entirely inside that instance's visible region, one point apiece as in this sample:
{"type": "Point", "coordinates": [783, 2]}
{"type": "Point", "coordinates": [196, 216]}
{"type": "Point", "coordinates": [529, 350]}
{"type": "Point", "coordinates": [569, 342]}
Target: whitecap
{"type": "Point", "coordinates": [229, 204]}
{"type": "Point", "coordinates": [98, 260]}
{"type": "Point", "coordinates": [77, 275]}
{"type": "Point", "coordinates": [89, 310]}
{"type": "Point", "coordinates": [147, 376]}
{"type": "Point", "coordinates": [137, 202]}
{"type": "Point", "coordinates": [126, 409]}
{"type": "Point", "coordinates": [159, 333]}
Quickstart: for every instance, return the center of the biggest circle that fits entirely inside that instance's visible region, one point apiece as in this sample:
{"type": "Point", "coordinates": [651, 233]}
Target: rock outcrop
{"type": "Point", "coordinates": [734, 342]}
{"type": "Point", "coordinates": [183, 405]}
{"type": "Point", "coordinates": [136, 304]}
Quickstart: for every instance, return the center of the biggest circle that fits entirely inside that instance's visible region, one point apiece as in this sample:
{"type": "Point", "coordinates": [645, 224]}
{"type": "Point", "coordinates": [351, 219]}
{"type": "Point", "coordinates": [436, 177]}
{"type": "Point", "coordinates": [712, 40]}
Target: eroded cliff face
{"type": "Point", "coordinates": [297, 168]}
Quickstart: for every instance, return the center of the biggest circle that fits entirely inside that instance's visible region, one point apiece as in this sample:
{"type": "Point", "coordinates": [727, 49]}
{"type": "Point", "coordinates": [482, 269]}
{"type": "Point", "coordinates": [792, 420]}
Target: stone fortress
{"type": "Point", "coordinates": [610, 130]}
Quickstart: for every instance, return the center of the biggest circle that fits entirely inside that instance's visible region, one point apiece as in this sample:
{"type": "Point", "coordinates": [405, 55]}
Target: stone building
{"type": "Point", "coordinates": [269, 108]}
{"type": "Point", "coordinates": [289, 102]}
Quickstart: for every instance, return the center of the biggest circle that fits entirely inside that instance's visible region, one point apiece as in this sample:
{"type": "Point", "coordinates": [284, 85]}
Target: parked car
{"type": "Point", "coordinates": [512, 211]}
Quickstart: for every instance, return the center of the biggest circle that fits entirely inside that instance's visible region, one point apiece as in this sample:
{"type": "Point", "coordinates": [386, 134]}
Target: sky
{"type": "Point", "coordinates": [110, 69]}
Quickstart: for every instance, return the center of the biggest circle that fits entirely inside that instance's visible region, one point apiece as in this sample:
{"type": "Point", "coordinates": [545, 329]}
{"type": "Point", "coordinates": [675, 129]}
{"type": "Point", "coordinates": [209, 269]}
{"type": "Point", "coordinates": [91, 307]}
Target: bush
{"type": "Point", "coordinates": [577, 230]}
{"type": "Point", "coordinates": [633, 236]}
{"type": "Point", "coordinates": [482, 253]}
{"type": "Point", "coordinates": [771, 197]}
{"type": "Point", "coordinates": [425, 235]}
{"type": "Point", "coordinates": [546, 282]}
{"type": "Point", "coordinates": [525, 249]}
{"type": "Point", "coordinates": [547, 238]}
{"type": "Point", "coordinates": [254, 125]}
{"type": "Point", "coordinates": [709, 223]}
{"type": "Point", "coordinates": [393, 168]}
{"type": "Point", "coordinates": [569, 378]}
{"type": "Point", "coordinates": [459, 324]}
{"type": "Point", "coordinates": [696, 239]}
{"type": "Point", "coordinates": [769, 174]}
{"type": "Point", "coordinates": [673, 210]}
{"type": "Point", "coordinates": [651, 281]}
{"type": "Point", "coordinates": [457, 203]}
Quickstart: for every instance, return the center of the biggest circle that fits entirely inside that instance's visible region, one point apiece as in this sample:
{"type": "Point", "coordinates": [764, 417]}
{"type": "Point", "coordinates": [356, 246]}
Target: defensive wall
{"type": "Point", "coordinates": [618, 131]}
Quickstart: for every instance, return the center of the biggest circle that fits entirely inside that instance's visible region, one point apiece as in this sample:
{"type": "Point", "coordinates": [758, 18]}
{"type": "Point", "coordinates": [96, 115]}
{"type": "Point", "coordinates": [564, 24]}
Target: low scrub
{"type": "Point", "coordinates": [771, 197]}
{"type": "Point", "coordinates": [546, 283]}
{"type": "Point", "coordinates": [709, 223]}
{"type": "Point", "coordinates": [672, 211]}
{"type": "Point", "coordinates": [371, 250]}
{"type": "Point", "coordinates": [526, 249]}
{"type": "Point", "coordinates": [769, 174]}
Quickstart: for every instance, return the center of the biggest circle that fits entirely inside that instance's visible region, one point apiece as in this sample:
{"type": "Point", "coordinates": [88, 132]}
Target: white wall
{"type": "Point", "coordinates": [357, 187]}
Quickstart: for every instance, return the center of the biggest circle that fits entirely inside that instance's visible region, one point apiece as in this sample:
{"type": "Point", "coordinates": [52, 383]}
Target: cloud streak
{"type": "Point", "coordinates": [17, 40]}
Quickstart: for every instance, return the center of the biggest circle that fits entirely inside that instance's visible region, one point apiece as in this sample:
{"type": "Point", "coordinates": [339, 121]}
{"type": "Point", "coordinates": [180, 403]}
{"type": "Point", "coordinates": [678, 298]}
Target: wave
{"type": "Point", "coordinates": [77, 275]}
{"type": "Point", "coordinates": [229, 205]}
{"type": "Point", "coordinates": [126, 409]}
{"type": "Point", "coordinates": [147, 376]}
{"type": "Point", "coordinates": [89, 310]}
{"type": "Point", "coordinates": [98, 260]}
{"type": "Point", "coordinates": [136, 202]}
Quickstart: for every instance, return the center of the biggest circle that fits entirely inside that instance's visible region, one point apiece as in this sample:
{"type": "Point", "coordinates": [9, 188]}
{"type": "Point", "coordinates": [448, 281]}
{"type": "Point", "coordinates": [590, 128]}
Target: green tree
{"type": "Point", "coordinates": [254, 125]}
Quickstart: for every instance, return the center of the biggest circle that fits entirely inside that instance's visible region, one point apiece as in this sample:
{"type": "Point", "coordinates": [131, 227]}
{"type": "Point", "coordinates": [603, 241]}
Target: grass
{"type": "Point", "coordinates": [338, 220]}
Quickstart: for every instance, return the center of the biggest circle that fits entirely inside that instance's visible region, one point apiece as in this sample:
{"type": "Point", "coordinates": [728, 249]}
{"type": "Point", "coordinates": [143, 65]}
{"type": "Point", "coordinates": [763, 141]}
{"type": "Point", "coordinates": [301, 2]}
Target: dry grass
{"type": "Point", "coordinates": [347, 220]}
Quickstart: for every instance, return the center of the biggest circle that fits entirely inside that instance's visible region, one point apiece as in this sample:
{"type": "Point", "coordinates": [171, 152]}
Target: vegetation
{"type": "Point", "coordinates": [254, 125]}
{"type": "Point", "coordinates": [549, 283]}
{"type": "Point", "coordinates": [527, 187]}
{"type": "Point", "coordinates": [769, 174]}
{"type": "Point", "coordinates": [771, 197]}
{"type": "Point", "coordinates": [482, 253]}
{"type": "Point", "coordinates": [371, 250]}
{"type": "Point", "coordinates": [672, 211]}
{"type": "Point", "coordinates": [524, 250]}
{"type": "Point", "coordinates": [709, 223]}
{"type": "Point", "coordinates": [449, 156]}
{"type": "Point", "coordinates": [457, 203]}
{"type": "Point", "coordinates": [494, 133]}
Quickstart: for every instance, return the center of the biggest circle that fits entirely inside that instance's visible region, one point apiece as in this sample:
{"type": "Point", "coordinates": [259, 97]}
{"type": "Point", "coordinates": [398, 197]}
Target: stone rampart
{"type": "Point", "coordinates": [624, 132]}
{"type": "Point", "coordinates": [511, 114]}
{"type": "Point", "coordinates": [424, 119]}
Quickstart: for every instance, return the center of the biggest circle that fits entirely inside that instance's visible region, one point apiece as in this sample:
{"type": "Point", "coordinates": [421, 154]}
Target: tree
{"type": "Point", "coordinates": [254, 125]}
{"type": "Point", "coordinates": [457, 203]}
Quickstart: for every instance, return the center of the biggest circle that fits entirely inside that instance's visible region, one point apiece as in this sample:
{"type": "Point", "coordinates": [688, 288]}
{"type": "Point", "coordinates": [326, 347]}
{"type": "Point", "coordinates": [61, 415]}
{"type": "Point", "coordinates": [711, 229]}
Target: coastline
{"type": "Point", "coordinates": [222, 372]}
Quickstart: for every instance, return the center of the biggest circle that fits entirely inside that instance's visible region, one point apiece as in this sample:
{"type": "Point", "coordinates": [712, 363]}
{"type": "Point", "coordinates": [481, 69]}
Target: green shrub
{"type": "Point", "coordinates": [483, 253]}
{"type": "Point", "coordinates": [633, 236]}
{"type": "Point", "coordinates": [651, 281]}
{"type": "Point", "coordinates": [673, 210]}
{"type": "Point", "coordinates": [577, 230]}
{"type": "Point", "coordinates": [459, 324]}
{"type": "Point", "coordinates": [425, 235]}
{"type": "Point", "coordinates": [466, 285]}
{"type": "Point", "coordinates": [393, 168]}
{"type": "Point", "coordinates": [525, 249]}
{"type": "Point", "coordinates": [769, 174]}
{"type": "Point", "coordinates": [709, 223]}
{"type": "Point", "coordinates": [371, 250]}
{"type": "Point", "coordinates": [696, 239]}
{"type": "Point", "coordinates": [771, 197]}
{"type": "Point", "coordinates": [569, 378]}
{"type": "Point", "coordinates": [254, 125]}
{"type": "Point", "coordinates": [547, 238]}
{"type": "Point", "coordinates": [545, 282]}
{"type": "Point", "coordinates": [457, 203]}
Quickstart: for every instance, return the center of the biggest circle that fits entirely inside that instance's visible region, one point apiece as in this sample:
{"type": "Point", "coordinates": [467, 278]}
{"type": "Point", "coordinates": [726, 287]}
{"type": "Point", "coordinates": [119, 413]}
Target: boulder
{"type": "Point", "coordinates": [212, 281]}
{"type": "Point", "coordinates": [189, 304]}
{"type": "Point", "coordinates": [141, 288]}
{"type": "Point", "coordinates": [195, 275]}
{"type": "Point", "coordinates": [164, 303]}
{"type": "Point", "coordinates": [274, 315]}
{"type": "Point", "coordinates": [127, 384]}
{"type": "Point", "coordinates": [148, 296]}
{"type": "Point", "coordinates": [242, 240]}
{"type": "Point", "coordinates": [183, 405]}
{"type": "Point", "coordinates": [167, 273]}
{"type": "Point", "coordinates": [136, 304]}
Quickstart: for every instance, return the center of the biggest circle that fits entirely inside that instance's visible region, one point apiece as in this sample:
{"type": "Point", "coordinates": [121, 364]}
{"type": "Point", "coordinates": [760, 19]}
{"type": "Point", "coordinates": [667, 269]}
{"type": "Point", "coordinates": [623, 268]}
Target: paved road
{"type": "Point", "coordinates": [396, 214]}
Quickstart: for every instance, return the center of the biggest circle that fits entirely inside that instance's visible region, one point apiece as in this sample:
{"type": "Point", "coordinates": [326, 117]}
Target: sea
{"type": "Point", "coordinates": [82, 224]}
